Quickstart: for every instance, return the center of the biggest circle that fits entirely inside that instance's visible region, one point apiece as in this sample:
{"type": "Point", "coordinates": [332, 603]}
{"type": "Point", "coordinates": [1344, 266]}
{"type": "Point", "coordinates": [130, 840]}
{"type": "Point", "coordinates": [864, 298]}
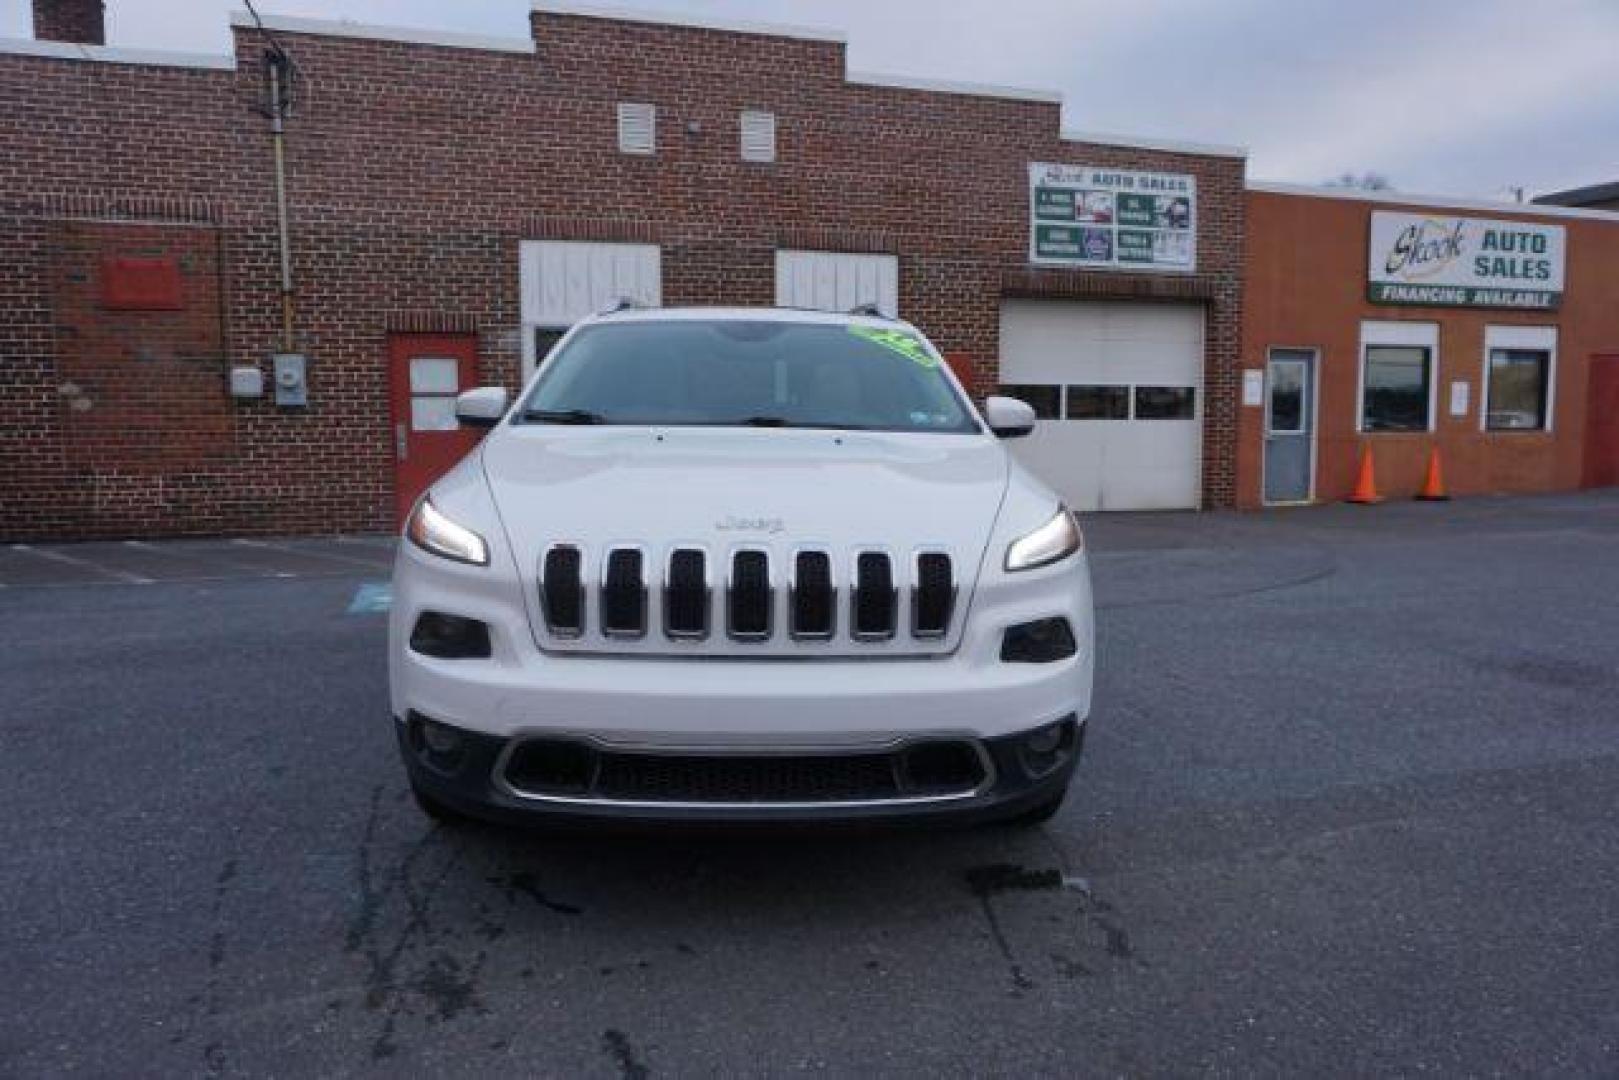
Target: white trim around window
{"type": "Point", "coordinates": [1412, 334]}
{"type": "Point", "coordinates": [1540, 338]}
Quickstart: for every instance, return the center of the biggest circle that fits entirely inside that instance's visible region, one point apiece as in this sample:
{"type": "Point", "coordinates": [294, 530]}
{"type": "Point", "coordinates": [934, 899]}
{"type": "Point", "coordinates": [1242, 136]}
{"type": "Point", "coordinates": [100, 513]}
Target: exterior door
{"type": "Point", "coordinates": [1289, 426]}
{"type": "Point", "coordinates": [1602, 423]}
{"type": "Point", "coordinates": [426, 372]}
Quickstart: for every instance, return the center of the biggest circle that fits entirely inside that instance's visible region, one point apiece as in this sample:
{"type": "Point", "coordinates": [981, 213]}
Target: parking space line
{"type": "Point", "coordinates": [203, 555]}
{"type": "Point", "coordinates": [84, 564]}
{"type": "Point", "coordinates": [368, 564]}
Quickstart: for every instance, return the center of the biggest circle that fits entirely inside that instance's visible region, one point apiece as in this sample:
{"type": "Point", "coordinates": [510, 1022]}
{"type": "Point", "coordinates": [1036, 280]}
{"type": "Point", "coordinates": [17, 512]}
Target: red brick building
{"type": "Point", "coordinates": [488, 192]}
{"type": "Point", "coordinates": [1485, 332]}
{"type": "Point", "coordinates": [453, 202]}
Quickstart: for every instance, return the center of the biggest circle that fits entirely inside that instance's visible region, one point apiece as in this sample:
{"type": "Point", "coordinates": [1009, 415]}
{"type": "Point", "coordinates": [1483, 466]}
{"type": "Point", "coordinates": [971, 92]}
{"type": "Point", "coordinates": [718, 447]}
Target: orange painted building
{"type": "Point", "coordinates": [1488, 332]}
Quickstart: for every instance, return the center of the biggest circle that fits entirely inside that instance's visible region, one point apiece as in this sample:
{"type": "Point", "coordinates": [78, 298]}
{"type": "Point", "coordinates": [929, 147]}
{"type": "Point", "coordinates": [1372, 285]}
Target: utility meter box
{"type": "Point", "coordinates": [291, 379]}
{"type": "Point", "coordinates": [246, 381]}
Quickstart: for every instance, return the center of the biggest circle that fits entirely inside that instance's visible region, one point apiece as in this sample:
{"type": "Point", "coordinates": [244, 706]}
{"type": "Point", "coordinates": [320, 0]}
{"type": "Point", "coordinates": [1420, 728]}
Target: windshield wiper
{"type": "Point", "coordinates": [784, 422]}
{"type": "Point", "coordinates": [563, 416]}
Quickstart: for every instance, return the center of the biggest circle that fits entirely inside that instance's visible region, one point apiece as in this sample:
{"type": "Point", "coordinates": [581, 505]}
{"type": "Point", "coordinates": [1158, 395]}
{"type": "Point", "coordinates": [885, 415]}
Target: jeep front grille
{"type": "Point", "coordinates": [752, 595]}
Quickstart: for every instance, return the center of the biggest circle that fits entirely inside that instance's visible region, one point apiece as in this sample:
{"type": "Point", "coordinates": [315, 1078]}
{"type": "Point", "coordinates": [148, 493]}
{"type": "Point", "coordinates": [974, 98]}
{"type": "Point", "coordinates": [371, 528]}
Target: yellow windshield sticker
{"type": "Point", "coordinates": [907, 345]}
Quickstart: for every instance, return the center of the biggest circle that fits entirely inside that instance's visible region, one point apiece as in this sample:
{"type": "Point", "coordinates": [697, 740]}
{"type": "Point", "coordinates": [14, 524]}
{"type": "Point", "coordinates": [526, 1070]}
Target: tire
{"type": "Point", "coordinates": [1040, 813]}
{"type": "Point", "coordinates": [436, 810]}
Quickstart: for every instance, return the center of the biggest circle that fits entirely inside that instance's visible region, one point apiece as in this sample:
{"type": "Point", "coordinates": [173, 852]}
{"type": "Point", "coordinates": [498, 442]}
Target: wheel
{"type": "Point", "coordinates": [1040, 813]}
{"type": "Point", "coordinates": [436, 810]}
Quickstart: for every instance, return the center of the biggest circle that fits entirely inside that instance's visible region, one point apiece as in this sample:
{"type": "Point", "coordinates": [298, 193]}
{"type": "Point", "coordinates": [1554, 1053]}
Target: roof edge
{"type": "Point", "coordinates": [1147, 142]}
{"type": "Point", "coordinates": [951, 86]}
{"type": "Point", "coordinates": [1437, 202]}
{"type": "Point", "coordinates": [695, 22]}
{"type": "Point", "coordinates": [105, 54]}
{"type": "Point", "coordinates": [286, 24]}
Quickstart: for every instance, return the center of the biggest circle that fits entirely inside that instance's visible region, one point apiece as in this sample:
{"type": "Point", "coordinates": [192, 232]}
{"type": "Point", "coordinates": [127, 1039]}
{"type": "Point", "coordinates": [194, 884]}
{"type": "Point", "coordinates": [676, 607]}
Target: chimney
{"type": "Point", "coordinates": [79, 22]}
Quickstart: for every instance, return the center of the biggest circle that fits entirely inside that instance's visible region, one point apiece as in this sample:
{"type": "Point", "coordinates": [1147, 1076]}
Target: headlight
{"type": "Point", "coordinates": [1056, 539]}
{"type": "Point", "coordinates": [431, 531]}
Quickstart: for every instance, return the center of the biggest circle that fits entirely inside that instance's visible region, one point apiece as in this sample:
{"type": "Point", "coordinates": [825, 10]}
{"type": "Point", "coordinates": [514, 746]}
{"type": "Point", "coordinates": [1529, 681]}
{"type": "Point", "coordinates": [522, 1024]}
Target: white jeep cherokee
{"type": "Point", "coordinates": [741, 564]}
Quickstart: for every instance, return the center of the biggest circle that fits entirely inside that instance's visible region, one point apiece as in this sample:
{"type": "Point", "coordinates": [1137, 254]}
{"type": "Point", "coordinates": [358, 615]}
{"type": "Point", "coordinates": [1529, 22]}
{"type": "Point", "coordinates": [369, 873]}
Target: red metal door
{"type": "Point", "coordinates": [426, 371]}
{"type": "Point", "coordinates": [1602, 423]}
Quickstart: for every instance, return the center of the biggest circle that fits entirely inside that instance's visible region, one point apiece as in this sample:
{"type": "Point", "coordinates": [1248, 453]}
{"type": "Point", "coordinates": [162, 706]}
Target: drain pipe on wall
{"type": "Point", "coordinates": [277, 62]}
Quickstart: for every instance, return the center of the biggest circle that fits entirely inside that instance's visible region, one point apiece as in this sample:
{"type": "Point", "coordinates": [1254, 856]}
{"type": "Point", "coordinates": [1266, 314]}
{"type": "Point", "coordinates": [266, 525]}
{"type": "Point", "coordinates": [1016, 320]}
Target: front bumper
{"type": "Point", "coordinates": [477, 780]}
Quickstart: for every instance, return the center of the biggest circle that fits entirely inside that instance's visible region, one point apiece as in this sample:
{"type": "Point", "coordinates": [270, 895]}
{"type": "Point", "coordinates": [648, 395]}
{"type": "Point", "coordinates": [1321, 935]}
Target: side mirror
{"type": "Point", "coordinates": [481, 407]}
{"type": "Point", "coordinates": [1009, 418]}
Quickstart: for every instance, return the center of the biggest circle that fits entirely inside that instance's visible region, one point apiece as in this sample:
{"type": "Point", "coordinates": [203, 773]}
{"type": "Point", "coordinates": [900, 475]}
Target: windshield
{"type": "Point", "coordinates": [726, 372]}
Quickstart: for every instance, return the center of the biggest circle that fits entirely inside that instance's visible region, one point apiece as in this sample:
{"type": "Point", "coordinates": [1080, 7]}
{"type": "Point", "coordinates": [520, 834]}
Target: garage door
{"type": "Point", "coordinates": [564, 281]}
{"type": "Point", "coordinates": [1118, 388]}
{"type": "Point", "coordinates": [837, 281]}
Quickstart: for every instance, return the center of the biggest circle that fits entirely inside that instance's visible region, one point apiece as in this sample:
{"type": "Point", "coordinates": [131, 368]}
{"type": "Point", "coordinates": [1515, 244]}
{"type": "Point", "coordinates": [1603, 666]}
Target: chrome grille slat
{"type": "Point", "coordinates": [686, 595]}
{"type": "Point", "coordinates": [873, 598]}
{"type": "Point", "coordinates": [623, 594]}
{"type": "Point", "coordinates": [813, 604]}
{"type": "Point", "coordinates": [562, 591]}
{"type": "Point", "coordinates": [749, 598]}
{"type": "Point", "coordinates": [933, 595]}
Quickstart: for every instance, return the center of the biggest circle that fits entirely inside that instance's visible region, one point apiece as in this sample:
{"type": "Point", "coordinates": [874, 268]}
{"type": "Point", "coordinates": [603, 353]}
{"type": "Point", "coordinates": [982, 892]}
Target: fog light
{"type": "Point", "coordinates": [1043, 641]}
{"type": "Point", "coordinates": [439, 738]}
{"type": "Point", "coordinates": [449, 637]}
{"type": "Point", "coordinates": [440, 747]}
{"type": "Point", "coordinates": [1045, 749]}
{"type": "Point", "coordinates": [1045, 740]}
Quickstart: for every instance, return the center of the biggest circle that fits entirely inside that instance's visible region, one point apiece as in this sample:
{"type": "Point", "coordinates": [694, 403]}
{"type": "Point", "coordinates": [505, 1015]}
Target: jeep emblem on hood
{"type": "Point", "coordinates": [732, 523]}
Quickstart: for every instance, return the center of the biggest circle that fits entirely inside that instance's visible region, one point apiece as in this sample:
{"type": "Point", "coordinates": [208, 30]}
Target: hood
{"type": "Point", "coordinates": [722, 487]}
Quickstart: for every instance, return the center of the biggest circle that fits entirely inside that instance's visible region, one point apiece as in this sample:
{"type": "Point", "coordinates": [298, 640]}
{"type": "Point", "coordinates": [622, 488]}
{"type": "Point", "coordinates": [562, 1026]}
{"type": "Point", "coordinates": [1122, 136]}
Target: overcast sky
{"type": "Point", "coordinates": [1455, 97]}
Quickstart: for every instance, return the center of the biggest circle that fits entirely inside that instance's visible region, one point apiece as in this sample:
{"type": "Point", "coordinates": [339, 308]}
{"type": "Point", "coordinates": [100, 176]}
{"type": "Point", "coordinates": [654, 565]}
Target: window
{"type": "Point", "coordinates": [637, 128]}
{"type": "Point", "coordinates": [758, 136]}
{"type": "Point", "coordinates": [1286, 393]}
{"type": "Point", "coordinates": [763, 372]}
{"type": "Point", "coordinates": [434, 382]}
{"type": "Point", "coordinates": [1520, 378]}
{"type": "Point", "coordinates": [1166, 403]}
{"type": "Point", "coordinates": [1046, 401]}
{"type": "Point", "coordinates": [545, 339]}
{"type": "Point", "coordinates": [1098, 403]}
{"type": "Point", "coordinates": [1398, 380]}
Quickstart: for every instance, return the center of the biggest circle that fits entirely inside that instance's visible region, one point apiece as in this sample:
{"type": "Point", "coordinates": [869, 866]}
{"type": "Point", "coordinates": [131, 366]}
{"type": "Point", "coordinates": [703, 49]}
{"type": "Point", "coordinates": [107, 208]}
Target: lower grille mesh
{"type": "Point", "coordinates": [572, 769]}
{"type": "Point", "coordinates": [665, 778]}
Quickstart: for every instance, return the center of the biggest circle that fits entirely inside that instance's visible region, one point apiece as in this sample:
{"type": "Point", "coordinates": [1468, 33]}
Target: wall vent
{"type": "Point", "coordinates": [758, 136]}
{"type": "Point", "coordinates": [637, 128]}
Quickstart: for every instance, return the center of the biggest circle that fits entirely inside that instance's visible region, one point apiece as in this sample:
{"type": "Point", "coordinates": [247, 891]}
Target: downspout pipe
{"type": "Point", "coordinates": [277, 61]}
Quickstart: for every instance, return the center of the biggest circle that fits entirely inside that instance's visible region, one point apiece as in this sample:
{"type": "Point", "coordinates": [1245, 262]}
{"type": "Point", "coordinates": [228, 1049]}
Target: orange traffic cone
{"type": "Point", "coordinates": [1366, 485]}
{"type": "Point", "coordinates": [1433, 488]}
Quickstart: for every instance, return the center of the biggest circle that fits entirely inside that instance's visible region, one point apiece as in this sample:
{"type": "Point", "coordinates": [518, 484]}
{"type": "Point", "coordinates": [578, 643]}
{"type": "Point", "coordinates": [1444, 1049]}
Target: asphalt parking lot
{"type": "Point", "coordinates": [1350, 804]}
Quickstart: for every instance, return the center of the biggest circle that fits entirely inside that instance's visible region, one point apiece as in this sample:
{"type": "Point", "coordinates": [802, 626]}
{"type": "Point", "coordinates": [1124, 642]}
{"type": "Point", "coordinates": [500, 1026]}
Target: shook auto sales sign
{"type": "Point", "coordinates": [1112, 219]}
{"type": "Point", "coordinates": [1464, 262]}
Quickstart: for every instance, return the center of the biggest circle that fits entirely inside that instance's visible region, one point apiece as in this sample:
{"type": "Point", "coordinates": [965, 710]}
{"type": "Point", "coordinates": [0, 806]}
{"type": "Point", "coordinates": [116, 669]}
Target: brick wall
{"type": "Point", "coordinates": [414, 172]}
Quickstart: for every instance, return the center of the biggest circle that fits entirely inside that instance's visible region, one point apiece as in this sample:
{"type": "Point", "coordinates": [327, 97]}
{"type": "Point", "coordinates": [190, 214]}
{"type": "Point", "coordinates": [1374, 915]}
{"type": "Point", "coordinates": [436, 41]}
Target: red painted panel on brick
{"type": "Point", "coordinates": [137, 283]}
{"type": "Point", "coordinates": [962, 365]}
{"type": "Point", "coordinates": [1602, 423]}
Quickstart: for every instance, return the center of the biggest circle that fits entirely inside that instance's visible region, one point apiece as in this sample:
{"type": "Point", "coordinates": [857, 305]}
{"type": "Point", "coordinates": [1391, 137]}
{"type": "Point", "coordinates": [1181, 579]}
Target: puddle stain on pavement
{"type": "Point", "coordinates": [1101, 941]}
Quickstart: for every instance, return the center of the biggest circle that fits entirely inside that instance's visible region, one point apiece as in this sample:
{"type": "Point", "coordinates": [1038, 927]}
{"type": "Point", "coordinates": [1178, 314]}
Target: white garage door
{"type": "Point", "coordinates": [1118, 387]}
{"type": "Point", "coordinates": [837, 281]}
{"type": "Point", "coordinates": [562, 281]}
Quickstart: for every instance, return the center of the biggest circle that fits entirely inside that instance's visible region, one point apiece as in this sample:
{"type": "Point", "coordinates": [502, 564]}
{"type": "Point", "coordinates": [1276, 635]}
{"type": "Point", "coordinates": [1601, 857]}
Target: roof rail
{"type": "Point", "coordinates": [868, 308]}
{"type": "Point", "coordinates": [622, 303]}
